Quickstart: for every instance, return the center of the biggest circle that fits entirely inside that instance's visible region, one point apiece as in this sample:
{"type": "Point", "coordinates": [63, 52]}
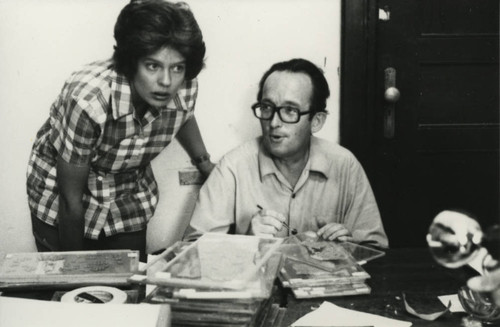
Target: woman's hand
{"type": "Point", "coordinates": [206, 167]}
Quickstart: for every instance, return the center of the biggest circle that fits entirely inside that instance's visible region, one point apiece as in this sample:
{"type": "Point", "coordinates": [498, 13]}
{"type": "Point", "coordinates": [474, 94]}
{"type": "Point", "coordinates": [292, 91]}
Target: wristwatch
{"type": "Point", "coordinates": [201, 159]}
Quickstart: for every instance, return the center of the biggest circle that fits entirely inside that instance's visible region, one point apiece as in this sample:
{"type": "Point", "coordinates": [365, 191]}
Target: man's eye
{"type": "Point", "coordinates": [178, 69]}
{"type": "Point", "coordinates": [266, 107]}
{"type": "Point", "coordinates": [289, 110]}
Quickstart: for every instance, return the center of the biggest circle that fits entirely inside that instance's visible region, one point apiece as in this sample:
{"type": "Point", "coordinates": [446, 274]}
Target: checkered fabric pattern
{"type": "Point", "coordinates": [92, 122]}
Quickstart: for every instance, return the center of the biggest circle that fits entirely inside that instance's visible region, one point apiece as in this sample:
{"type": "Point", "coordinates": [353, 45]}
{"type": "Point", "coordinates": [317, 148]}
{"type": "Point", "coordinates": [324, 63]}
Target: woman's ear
{"type": "Point", "coordinates": [318, 121]}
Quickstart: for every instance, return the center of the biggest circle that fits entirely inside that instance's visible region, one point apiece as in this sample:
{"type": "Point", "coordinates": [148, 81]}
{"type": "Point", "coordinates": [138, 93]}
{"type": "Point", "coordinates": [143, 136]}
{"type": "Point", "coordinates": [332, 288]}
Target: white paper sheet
{"type": "Point", "coordinates": [329, 314]}
{"type": "Point", "coordinates": [477, 262]}
{"type": "Point", "coordinates": [16, 312]}
{"type": "Point", "coordinates": [455, 302]}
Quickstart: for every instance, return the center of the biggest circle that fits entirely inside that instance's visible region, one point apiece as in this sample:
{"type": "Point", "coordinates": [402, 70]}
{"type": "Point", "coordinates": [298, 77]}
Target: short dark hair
{"type": "Point", "coordinates": [144, 27]}
{"type": "Point", "coordinates": [321, 91]}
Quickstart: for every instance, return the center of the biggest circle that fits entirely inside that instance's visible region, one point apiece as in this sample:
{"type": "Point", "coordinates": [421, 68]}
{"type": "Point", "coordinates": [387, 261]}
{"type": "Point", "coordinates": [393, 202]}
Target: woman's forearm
{"type": "Point", "coordinates": [72, 181]}
{"type": "Point", "coordinates": [189, 137]}
{"type": "Point", "coordinates": [71, 226]}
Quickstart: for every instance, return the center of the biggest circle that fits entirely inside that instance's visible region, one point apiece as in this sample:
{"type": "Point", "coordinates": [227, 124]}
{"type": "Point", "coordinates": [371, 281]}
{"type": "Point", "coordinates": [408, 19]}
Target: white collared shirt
{"type": "Point", "coordinates": [333, 187]}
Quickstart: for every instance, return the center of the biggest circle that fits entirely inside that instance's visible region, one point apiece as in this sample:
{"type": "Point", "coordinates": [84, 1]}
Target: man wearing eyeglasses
{"type": "Point", "coordinates": [288, 180]}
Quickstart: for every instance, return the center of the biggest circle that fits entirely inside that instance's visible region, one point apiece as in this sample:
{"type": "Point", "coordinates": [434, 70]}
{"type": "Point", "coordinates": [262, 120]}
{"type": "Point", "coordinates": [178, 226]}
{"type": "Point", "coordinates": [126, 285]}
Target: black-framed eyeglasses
{"type": "Point", "coordinates": [287, 114]}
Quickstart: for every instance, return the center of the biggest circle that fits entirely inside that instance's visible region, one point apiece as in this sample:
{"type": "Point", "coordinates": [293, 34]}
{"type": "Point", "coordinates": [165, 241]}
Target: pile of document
{"type": "Point", "coordinates": [215, 310]}
{"type": "Point", "coordinates": [219, 280]}
{"type": "Point", "coordinates": [318, 268]}
{"type": "Point", "coordinates": [70, 269]}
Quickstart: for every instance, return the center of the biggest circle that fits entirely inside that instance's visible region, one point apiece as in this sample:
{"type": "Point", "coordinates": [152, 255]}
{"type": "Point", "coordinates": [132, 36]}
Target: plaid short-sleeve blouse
{"type": "Point", "coordinates": [93, 122]}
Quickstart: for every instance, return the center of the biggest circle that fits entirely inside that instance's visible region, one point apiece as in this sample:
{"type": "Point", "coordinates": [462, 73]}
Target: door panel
{"type": "Point", "coordinates": [444, 153]}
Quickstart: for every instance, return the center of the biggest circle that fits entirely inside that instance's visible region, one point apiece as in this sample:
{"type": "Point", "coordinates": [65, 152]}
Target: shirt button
{"type": "Point", "coordinates": [293, 195]}
{"type": "Point", "coordinates": [99, 178]}
{"type": "Point", "coordinates": [153, 201]}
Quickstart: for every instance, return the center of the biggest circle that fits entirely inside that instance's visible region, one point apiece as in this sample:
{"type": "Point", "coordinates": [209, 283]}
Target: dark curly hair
{"type": "Point", "coordinates": [144, 27]}
{"type": "Point", "coordinates": [321, 91]}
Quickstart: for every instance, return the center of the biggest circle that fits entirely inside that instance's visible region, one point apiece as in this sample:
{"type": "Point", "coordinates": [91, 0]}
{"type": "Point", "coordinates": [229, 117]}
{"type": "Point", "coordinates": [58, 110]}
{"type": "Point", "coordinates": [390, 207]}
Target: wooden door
{"type": "Point", "coordinates": [436, 147]}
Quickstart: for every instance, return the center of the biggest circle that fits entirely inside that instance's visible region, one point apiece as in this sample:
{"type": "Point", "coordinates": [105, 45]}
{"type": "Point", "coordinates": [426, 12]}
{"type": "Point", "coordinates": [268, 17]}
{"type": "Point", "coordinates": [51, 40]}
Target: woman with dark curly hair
{"type": "Point", "coordinates": [89, 181]}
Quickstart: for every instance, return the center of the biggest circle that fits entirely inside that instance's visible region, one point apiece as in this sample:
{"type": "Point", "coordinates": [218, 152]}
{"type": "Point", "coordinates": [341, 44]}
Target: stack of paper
{"type": "Point", "coordinates": [318, 268]}
{"type": "Point", "coordinates": [218, 280]}
{"type": "Point", "coordinates": [67, 269]}
{"type": "Point", "coordinates": [214, 311]}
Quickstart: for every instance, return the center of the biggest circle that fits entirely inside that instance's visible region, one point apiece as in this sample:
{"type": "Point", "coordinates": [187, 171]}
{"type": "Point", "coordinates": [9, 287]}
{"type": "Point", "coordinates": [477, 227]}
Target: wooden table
{"type": "Point", "coordinates": [409, 271]}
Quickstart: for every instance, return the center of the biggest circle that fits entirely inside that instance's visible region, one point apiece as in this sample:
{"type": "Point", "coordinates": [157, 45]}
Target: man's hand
{"type": "Point", "coordinates": [335, 231]}
{"type": "Point", "coordinates": [266, 223]}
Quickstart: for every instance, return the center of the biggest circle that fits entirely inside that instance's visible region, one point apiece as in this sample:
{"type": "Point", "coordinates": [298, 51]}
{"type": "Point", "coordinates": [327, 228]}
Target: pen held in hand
{"type": "Point", "coordinates": [293, 230]}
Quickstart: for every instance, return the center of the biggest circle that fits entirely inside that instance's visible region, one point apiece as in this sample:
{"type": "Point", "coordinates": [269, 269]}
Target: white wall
{"type": "Point", "coordinates": [42, 42]}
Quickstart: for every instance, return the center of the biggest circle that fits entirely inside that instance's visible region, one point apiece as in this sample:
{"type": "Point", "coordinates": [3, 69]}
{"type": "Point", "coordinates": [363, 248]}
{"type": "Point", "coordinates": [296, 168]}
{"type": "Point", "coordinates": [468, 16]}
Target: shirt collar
{"type": "Point", "coordinates": [121, 96]}
{"type": "Point", "coordinates": [317, 161]}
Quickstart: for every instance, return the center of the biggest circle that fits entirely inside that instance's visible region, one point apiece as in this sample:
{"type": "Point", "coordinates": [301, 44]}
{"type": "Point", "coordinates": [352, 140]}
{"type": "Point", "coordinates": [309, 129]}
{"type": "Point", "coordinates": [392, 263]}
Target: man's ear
{"type": "Point", "coordinates": [318, 121]}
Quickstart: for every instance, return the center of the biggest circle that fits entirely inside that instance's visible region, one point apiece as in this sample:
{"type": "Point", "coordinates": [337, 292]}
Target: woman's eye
{"type": "Point", "coordinates": [151, 66]}
{"type": "Point", "coordinates": [178, 68]}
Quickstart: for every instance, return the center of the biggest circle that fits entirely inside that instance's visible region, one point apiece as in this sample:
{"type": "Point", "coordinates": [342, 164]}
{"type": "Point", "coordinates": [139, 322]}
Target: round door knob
{"type": "Point", "coordinates": [392, 94]}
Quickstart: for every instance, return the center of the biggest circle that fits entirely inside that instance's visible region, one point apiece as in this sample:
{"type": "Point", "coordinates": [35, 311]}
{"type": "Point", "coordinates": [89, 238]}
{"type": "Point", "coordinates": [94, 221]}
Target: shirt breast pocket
{"type": "Point", "coordinates": [126, 154]}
